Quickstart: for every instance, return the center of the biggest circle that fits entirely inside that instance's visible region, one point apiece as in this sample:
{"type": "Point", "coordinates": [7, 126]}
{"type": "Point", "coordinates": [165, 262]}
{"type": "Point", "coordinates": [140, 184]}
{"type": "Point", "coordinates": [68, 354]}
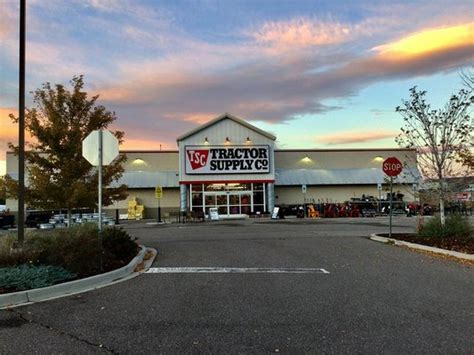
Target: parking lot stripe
{"type": "Point", "coordinates": [235, 270]}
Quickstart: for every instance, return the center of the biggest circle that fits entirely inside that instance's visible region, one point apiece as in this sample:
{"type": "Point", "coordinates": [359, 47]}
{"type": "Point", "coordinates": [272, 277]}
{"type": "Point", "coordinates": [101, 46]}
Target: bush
{"type": "Point", "coordinates": [456, 227]}
{"type": "Point", "coordinates": [25, 277]}
{"type": "Point", "coordinates": [77, 249]}
{"type": "Point", "coordinates": [117, 242]}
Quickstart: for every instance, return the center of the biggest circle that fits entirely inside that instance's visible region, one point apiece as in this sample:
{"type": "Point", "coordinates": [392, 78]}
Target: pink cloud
{"type": "Point", "coordinates": [302, 32]}
{"type": "Point", "coordinates": [352, 137]}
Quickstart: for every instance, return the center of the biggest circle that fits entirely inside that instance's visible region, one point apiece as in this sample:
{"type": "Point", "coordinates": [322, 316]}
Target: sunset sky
{"type": "Point", "coordinates": [317, 74]}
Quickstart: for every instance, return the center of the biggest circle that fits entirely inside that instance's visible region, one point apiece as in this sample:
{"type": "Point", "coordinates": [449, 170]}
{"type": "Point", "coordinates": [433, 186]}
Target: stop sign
{"type": "Point", "coordinates": [90, 147]}
{"type": "Point", "coordinates": [392, 166]}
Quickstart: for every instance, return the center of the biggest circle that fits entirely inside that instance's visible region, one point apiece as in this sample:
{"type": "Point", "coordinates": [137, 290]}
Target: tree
{"type": "Point", "coordinates": [3, 190]}
{"type": "Point", "coordinates": [58, 176]}
{"type": "Point", "coordinates": [442, 138]}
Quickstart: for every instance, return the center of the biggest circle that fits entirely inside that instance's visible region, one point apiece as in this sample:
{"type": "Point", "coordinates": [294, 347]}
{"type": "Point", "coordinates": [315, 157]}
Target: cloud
{"type": "Point", "coordinates": [429, 41]}
{"type": "Point", "coordinates": [274, 71]}
{"type": "Point", "coordinates": [302, 32]}
{"type": "Point", "coordinates": [264, 87]}
{"type": "Point", "coordinates": [353, 137]}
{"type": "Point", "coordinates": [8, 130]}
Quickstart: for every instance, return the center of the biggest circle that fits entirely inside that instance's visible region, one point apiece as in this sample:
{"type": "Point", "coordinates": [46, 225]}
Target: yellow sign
{"type": "Point", "coordinates": [158, 192]}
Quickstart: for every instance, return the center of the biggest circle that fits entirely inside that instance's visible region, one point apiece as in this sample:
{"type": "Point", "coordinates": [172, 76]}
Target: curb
{"type": "Point", "coordinates": [455, 254]}
{"type": "Point", "coordinates": [124, 273]}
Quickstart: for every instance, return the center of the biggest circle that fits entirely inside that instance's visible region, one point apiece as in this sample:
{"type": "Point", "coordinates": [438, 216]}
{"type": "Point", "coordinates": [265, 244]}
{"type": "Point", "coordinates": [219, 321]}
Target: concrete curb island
{"type": "Point", "coordinates": [134, 268]}
{"type": "Point", "coordinates": [455, 254]}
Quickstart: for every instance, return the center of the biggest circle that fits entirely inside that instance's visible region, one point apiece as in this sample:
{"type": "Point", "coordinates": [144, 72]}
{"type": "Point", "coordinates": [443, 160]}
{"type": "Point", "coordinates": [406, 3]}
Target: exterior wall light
{"type": "Point", "coordinates": [248, 140]}
{"type": "Point", "coordinates": [206, 141]}
{"type": "Point", "coordinates": [138, 161]}
{"type": "Point", "coordinates": [227, 140]}
{"type": "Point", "coordinates": [378, 158]}
{"type": "Point", "coordinates": [306, 159]}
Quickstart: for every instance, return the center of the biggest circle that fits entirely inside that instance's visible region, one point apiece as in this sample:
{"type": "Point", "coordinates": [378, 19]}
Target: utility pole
{"type": "Point", "coordinates": [21, 127]}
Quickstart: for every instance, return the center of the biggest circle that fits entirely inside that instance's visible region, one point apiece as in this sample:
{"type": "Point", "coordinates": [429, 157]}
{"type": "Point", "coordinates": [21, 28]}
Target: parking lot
{"type": "Point", "coordinates": [257, 286]}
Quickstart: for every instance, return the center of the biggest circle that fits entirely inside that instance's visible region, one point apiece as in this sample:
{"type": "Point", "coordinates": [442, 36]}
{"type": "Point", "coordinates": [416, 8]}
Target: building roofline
{"type": "Point", "coordinates": [221, 118]}
{"type": "Point", "coordinates": [280, 150]}
{"type": "Point", "coordinates": [148, 151]}
{"type": "Point", "coordinates": [347, 150]}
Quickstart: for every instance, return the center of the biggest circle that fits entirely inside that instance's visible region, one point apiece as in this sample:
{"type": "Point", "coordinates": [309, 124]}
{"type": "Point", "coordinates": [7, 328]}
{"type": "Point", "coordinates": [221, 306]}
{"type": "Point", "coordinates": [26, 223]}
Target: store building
{"type": "Point", "coordinates": [234, 166]}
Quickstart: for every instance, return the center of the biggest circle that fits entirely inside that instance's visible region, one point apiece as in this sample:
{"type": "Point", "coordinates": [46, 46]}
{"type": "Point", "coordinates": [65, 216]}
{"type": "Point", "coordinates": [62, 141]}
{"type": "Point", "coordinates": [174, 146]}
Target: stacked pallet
{"type": "Point", "coordinates": [135, 210]}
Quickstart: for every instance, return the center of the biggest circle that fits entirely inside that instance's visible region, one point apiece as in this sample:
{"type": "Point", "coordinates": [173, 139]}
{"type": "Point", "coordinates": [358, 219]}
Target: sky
{"type": "Point", "coordinates": [316, 74]}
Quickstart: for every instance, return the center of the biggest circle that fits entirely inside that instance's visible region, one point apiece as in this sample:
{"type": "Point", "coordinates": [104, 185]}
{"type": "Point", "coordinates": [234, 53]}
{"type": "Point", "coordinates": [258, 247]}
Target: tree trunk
{"type": "Point", "coordinates": [441, 211]}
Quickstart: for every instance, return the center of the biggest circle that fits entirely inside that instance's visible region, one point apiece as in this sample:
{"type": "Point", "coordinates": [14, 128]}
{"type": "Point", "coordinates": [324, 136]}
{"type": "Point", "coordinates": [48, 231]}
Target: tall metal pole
{"type": "Point", "coordinates": [100, 180]}
{"type": "Point", "coordinates": [21, 127]}
{"type": "Point", "coordinates": [391, 199]}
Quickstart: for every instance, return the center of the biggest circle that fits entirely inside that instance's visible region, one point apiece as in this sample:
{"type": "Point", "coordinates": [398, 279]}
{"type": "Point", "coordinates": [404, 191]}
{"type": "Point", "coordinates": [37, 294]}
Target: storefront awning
{"type": "Point", "coordinates": [365, 176]}
{"type": "Point", "coordinates": [146, 179]}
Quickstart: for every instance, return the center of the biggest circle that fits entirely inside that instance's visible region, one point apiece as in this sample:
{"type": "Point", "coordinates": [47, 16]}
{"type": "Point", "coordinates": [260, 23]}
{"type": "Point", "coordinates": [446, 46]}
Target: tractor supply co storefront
{"type": "Point", "coordinates": [228, 165]}
{"type": "Point", "coordinates": [233, 167]}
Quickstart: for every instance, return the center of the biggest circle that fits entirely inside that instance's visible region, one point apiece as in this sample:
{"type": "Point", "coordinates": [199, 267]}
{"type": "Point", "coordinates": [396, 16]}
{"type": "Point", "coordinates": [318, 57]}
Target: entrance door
{"type": "Point", "coordinates": [229, 202]}
{"type": "Point", "coordinates": [234, 202]}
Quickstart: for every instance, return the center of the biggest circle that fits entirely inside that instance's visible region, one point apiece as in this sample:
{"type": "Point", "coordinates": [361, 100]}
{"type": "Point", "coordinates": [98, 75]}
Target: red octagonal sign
{"type": "Point", "coordinates": [392, 166]}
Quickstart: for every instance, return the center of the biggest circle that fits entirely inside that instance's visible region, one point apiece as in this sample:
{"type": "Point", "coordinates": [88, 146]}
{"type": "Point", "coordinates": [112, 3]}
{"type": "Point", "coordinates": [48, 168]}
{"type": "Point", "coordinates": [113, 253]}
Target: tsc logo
{"type": "Point", "coordinates": [198, 158]}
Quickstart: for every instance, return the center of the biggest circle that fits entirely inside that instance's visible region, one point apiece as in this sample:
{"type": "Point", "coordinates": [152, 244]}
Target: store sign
{"type": "Point", "coordinates": [253, 159]}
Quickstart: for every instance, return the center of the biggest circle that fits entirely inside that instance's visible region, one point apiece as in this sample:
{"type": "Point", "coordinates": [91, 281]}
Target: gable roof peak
{"type": "Point", "coordinates": [222, 117]}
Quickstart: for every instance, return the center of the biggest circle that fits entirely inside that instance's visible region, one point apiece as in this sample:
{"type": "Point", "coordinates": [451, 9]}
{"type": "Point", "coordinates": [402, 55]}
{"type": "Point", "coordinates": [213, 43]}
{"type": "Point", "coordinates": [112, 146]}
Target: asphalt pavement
{"type": "Point", "coordinates": [375, 298]}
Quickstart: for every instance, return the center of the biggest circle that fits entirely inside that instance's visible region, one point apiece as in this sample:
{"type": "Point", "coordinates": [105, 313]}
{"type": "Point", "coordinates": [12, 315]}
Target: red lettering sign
{"type": "Point", "coordinates": [198, 158]}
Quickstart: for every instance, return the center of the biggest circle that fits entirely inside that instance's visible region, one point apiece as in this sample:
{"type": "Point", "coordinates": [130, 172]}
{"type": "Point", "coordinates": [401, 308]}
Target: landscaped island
{"type": "Point", "coordinates": [50, 257]}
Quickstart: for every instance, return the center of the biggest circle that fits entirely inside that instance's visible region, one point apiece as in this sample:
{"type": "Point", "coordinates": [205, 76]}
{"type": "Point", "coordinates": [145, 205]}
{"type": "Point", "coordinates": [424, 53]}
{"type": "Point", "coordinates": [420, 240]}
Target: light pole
{"type": "Point", "coordinates": [21, 128]}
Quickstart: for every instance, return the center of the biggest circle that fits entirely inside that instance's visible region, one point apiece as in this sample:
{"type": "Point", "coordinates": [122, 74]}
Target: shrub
{"type": "Point", "coordinates": [77, 249]}
{"type": "Point", "coordinates": [455, 227]}
{"type": "Point", "coordinates": [117, 242]}
{"type": "Point", "coordinates": [25, 277]}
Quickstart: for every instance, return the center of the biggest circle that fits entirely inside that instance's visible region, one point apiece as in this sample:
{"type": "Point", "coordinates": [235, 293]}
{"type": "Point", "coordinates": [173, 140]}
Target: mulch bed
{"type": "Point", "coordinates": [465, 245]}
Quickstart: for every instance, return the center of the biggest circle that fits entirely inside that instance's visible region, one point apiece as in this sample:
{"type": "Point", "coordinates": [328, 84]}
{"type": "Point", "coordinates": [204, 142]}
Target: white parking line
{"type": "Point", "coordinates": [235, 270]}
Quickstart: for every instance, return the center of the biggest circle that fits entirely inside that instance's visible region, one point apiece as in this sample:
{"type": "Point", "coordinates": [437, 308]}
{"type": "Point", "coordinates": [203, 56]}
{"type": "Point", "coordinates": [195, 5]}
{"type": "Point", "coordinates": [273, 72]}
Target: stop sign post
{"type": "Point", "coordinates": [100, 148]}
{"type": "Point", "coordinates": [391, 167]}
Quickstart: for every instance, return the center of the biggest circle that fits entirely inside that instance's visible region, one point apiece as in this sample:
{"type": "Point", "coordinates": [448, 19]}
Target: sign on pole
{"type": "Point", "coordinates": [159, 195]}
{"type": "Point", "coordinates": [158, 192]}
{"type": "Point", "coordinates": [90, 147]}
{"type": "Point", "coordinates": [391, 167]}
{"type": "Point", "coordinates": [100, 148]}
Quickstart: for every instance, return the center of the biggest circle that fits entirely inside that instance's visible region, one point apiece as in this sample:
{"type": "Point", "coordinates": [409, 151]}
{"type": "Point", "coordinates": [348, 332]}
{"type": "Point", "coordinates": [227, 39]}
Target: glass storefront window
{"type": "Point", "coordinates": [210, 200]}
{"type": "Point", "coordinates": [245, 199]}
{"type": "Point", "coordinates": [221, 200]}
{"type": "Point", "coordinates": [234, 199]}
{"type": "Point", "coordinates": [197, 199]}
{"type": "Point", "coordinates": [258, 197]}
{"type": "Point", "coordinates": [214, 187]}
{"type": "Point", "coordinates": [230, 198]}
{"type": "Point", "coordinates": [238, 186]}
{"type": "Point", "coordinates": [196, 187]}
{"type": "Point", "coordinates": [258, 208]}
{"type": "Point", "coordinates": [234, 209]}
